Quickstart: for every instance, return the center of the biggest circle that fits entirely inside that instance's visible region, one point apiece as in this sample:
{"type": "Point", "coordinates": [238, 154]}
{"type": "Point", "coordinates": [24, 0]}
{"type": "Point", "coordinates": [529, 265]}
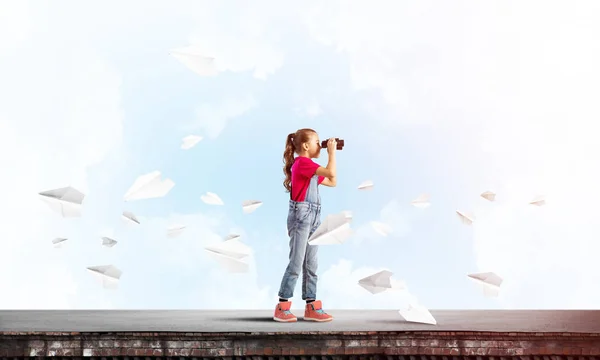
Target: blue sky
{"type": "Point", "coordinates": [450, 100]}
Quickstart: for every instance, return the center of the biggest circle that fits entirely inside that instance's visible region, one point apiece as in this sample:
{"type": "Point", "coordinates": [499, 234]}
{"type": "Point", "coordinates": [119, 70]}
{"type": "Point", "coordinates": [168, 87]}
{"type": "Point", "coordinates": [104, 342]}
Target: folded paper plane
{"type": "Point", "coordinates": [466, 218]}
{"type": "Point", "coordinates": [58, 242]}
{"type": "Point", "coordinates": [488, 195]}
{"type": "Point", "coordinates": [190, 141]}
{"type": "Point", "coordinates": [149, 186]}
{"type": "Point", "coordinates": [212, 199]}
{"type": "Point", "coordinates": [380, 282]}
{"type": "Point", "coordinates": [66, 201]}
{"type": "Point", "coordinates": [130, 218]}
{"type": "Point", "coordinates": [418, 314]}
{"type": "Point", "coordinates": [539, 200]}
{"type": "Point", "coordinates": [381, 228]}
{"type": "Point", "coordinates": [366, 185]}
{"type": "Point", "coordinates": [489, 282]}
{"type": "Point", "coordinates": [230, 254]}
{"type": "Point", "coordinates": [108, 275]}
{"type": "Point", "coordinates": [195, 60]}
{"type": "Point", "coordinates": [422, 201]}
{"type": "Point", "coordinates": [108, 242]}
{"type": "Point", "coordinates": [249, 206]}
{"type": "Point", "coordinates": [175, 230]}
{"type": "Point", "coordinates": [335, 229]}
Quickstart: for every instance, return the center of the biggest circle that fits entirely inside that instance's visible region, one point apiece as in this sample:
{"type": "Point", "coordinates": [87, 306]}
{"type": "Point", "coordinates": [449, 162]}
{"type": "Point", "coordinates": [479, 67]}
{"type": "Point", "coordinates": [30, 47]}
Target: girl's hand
{"type": "Point", "coordinates": [331, 145]}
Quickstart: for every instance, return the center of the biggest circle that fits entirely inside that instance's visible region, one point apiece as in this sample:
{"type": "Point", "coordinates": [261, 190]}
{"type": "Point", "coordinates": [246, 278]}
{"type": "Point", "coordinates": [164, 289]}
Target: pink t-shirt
{"type": "Point", "coordinates": [303, 170]}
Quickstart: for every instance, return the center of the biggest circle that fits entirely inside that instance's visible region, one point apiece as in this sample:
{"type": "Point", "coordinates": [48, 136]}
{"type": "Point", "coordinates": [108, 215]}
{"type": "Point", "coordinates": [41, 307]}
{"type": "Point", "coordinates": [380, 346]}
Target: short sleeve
{"type": "Point", "coordinates": [306, 167]}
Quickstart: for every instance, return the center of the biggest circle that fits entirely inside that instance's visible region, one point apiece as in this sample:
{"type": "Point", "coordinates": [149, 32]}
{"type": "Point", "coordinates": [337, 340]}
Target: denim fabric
{"type": "Point", "coordinates": [304, 217]}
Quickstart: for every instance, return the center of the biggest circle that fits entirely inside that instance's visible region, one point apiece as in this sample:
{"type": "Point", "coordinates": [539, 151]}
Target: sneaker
{"type": "Point", "coordinates": [314, 312]}
{"type": "Point", "coordinates": [283, 313]}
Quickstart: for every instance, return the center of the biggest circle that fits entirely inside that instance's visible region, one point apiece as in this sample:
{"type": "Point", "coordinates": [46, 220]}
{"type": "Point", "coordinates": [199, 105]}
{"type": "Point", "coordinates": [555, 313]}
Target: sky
{"type": "Point", "coordinates": [446, 98]}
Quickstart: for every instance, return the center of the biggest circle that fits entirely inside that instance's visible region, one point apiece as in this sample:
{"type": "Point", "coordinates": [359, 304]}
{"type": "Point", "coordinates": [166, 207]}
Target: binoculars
{"type": "Point", "coordinates": [340, 144]}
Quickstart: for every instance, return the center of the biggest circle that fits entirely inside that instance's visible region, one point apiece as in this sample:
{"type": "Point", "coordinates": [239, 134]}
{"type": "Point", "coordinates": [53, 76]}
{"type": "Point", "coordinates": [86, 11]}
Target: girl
{"type": "Point", "coordinates": [302, 177]}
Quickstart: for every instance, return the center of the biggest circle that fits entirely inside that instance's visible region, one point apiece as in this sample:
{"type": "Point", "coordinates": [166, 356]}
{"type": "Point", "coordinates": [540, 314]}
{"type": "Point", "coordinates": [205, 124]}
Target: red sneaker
{"type": "Point", "coordinates": [314, 312]}
{"type": "Point", "coordinates": [283, 313]}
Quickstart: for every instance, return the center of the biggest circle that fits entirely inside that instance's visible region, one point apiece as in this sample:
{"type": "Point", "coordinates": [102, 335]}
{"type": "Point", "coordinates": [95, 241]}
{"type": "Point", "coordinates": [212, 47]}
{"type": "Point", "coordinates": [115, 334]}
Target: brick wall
{"type": "Point", "coordinates": [272, 345]}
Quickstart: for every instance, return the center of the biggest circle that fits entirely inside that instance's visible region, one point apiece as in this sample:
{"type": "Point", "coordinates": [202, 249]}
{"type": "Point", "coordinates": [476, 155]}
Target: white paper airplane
{"type": "Point", "coordinates": [190, 141]}
{"type": "Point", "coordinates": [149, 186]}
{"type": "Point", "coordinates": [192, 57]}
{"type": "Point", "coordinates": [488, 195]}
{"type": "Point", "coordinates": [466, 218]}
{"type": "Point", "coordinates": [249, 206]}
{"type": "Point", "coordinates": [130, 218]}
{"type": "Point", "coordinates": [108, 275]}
{"type": "Point", "coordinates": [538, 200]}
{"type": "Point", "coordinates": [418, 314]}
{"type": "Point", "coordinates": [335, 229]}
{"type": "Point", "coordinates": [175, 230]}
{"type": "Point", "coordinates": [381, 228]}
{"type": "Point", "coordinates": [366, 185]}
{"type": "Point", "coordinates": [108, 242]}
{"type": "Point", "coordinates": [229, 254]}
{"type": "Point", "coordinates": [422, 201]}
{"type": "Point", "coordinates": [231, 237]}
{"type": "Point", "coordinates": [489, 282]}
{"type": "Point", "coordinates": [212, 199]}
{"type": "Point", "coordinates": [65, 201]}
{"type": "Point", "coordinates": [380, 282]}
{"type": "Point", "coordinates": [58, 242]}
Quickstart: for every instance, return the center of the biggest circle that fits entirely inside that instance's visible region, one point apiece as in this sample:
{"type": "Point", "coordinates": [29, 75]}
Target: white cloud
{"type": "Point", "coordinates": [15, 24]}
{"type": "Point", "coordinates": [311, 110]}
{"type": "Point", "coordinates": [60, 113]}
{"type": "Point", "coordinates": [391, 215]}
{"type": "Point", "coordinates": [202, 282]}
{"type": "Point", "coordinates": [213, 118]}
{"type": "Point", "coordinates": [240, 37]}
{"type": "Point", "coordinates": [519, 90]}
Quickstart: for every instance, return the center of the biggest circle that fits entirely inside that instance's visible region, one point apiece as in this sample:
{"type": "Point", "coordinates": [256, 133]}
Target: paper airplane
{"type": "Point", "coordinates": [108, 242]}
{"type": "Point", "coordinates": [249, 206]}
{"type": "Point", "coordinates": [108, 275]}
{"type": "Point", "coordinates": [66, 201]}
{"type": "Point", "coordinates": [130, 218]}
{"type": "Point", "coordinates": [334, 230]}
{"type": "Point", "coordinates": [538, 200]}
{"type": "Point", "coordinates": [175, 230]}
{"type": "Point", "coordinates": [58, 242]}
{"type": "Point", "coordinates": [212, 199]}
{"type": "Point", "coordinates": [231, 237]}
{"type": "Point", "coordinates": [380, 282]}
{"type": "Point", "coordinates": [229, 254]}
{"type": "Point", "coordinates": [488, 195]}
{"type": "Point", "coordinates": [466, 218]}
{"type": "Point", "coordinates": [190, 141]}
{"type": "Point", "coordinates": [418, 314]}
{"type": "Point", "coordinates": [381, 228]}
{"type": "Point", "coordinates": [422, 201]}
{"type": "Point", "coordinates": [149, 186]}
{"type": "Point", "coordinates": [489, 281]}
{"type": "Point", "coordinates": [192, 57]}
{"type": "Point", "coordinates": [366, 185]}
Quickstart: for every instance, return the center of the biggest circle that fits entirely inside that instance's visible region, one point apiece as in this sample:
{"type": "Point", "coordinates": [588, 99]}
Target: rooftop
{"type": "Point", "coordinates": [256, 321]}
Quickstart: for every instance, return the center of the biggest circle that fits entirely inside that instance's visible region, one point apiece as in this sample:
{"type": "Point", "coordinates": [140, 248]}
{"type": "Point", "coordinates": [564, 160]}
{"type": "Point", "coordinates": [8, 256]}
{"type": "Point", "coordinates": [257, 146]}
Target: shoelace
{"type": "Point", "coordinates": [287, 312]}
{"type": "Point", "coordinates": [320, 311]}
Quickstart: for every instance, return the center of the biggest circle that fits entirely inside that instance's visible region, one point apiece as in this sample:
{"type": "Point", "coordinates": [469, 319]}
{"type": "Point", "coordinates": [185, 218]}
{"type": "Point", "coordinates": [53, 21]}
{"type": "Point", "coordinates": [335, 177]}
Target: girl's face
{"type": "Point", "coordinates": [314, 146]}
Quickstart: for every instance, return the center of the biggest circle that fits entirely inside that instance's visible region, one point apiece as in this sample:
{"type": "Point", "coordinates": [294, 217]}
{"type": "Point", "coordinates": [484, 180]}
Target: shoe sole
{"type": "Point", "coordinates": [317, 320]}
{"type": "Point", "coordinates": [285, 320]}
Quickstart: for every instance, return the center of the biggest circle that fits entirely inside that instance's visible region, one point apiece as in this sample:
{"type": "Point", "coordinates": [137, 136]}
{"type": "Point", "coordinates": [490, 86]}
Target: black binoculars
{"type": "Point", "coordinates": [340, 144]}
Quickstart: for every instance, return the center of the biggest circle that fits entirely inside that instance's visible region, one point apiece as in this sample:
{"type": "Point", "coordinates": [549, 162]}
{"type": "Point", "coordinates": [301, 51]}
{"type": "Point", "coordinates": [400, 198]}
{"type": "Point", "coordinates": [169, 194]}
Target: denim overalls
{"type": "Point", "coordinates": [304, 217]}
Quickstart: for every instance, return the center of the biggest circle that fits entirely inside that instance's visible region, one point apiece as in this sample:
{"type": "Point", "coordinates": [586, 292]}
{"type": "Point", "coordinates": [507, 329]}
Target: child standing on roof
{"type": "Point", "coordinates": [302, 179]}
